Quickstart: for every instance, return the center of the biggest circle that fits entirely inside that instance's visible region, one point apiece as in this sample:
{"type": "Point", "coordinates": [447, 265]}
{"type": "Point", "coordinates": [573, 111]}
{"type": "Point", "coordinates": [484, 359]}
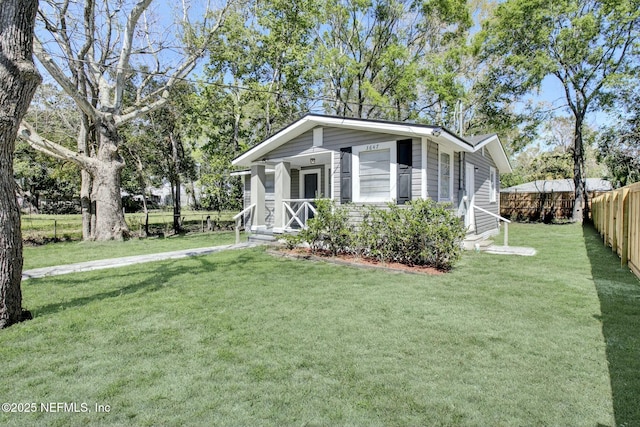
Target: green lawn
{"type": "Point", "coordinates": [243, 338]}
{"type": "Point", "coordinates": [71, 252]}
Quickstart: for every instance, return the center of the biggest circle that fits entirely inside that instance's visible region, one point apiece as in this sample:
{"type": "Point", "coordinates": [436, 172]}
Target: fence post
{"type": "Point", "coordinates": [624, 212]}
{"type": "Point", "coordinates": [506, 234]}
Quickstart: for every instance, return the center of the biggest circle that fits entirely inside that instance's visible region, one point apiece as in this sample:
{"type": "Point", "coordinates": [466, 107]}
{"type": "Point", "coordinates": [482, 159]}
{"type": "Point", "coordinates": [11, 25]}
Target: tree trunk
{"type": "Point", "coordinates": [86, 180]}
{"type": "Point", "coordinates": [86, 205]}
{"type": "Point", "coordinates": [175, 183]}
{"type": "Point", "coordinates": [18, 81]}
{"type": "Point", "coordinates": [110, 223]}
{"type": "Point", "coordinates": [579, 211]}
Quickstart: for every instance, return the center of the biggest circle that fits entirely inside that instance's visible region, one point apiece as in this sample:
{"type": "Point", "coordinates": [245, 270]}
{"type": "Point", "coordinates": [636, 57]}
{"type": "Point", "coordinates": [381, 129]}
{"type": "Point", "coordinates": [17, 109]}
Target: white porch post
{"type": "Point", "coordinates": [258, 179]}
{"type": "Point", "coordinates": [283, 191]}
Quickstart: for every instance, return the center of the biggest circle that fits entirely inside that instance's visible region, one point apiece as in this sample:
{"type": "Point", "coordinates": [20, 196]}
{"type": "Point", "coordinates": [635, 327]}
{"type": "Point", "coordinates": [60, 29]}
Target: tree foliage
{"type": "Point", "coordinates": [619, 147]}
{"type": "Point", "coordinates": [391, 59]}
{"type": "Point", "coordinates": [586, 45]}
{"type": "Point", "coordinates": [89, 49]}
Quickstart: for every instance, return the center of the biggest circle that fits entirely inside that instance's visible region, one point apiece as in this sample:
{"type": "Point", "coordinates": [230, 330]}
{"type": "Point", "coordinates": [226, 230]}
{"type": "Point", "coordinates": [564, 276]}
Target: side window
{"type": "Point", "coordinates": [493, 187]}
{"type": "Point", "coordinates": [445, 177]}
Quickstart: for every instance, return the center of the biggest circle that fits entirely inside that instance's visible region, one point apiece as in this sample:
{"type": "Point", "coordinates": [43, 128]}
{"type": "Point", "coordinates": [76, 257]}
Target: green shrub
{"type": "Point", "coordinates": [420, 233]}
{"type": "Point", "coordinates": [329, 229]}
{"type": "Point", "coordinates": [291, 241]}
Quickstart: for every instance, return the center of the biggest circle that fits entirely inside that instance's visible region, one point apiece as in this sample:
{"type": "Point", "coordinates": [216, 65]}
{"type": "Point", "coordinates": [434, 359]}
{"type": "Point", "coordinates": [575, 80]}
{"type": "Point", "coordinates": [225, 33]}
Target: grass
{"type": "Point", "coordinates": [71, 252]}
{"type": "Point", "coordinates": [242, 338]}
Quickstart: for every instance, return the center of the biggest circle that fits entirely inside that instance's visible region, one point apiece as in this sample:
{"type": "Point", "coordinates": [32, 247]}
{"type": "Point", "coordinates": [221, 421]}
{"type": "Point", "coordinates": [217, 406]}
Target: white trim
{"type": "Point", "coordinates": [332, 178]}
{"type": "Point", "coordinates": [318, 137]}
{"type": "Point", "coordinates": [327, 170]}
{"type": "Point", "coordinates": [445, 150]}
{"type": "Point", "coordinates": [423, 170]}
{"type": "Point", "coordinates": [493, 187]}
{"type": "Point", "coordinates": [469, 218]}
{"type": "Point", "coordinates": [310, 121]}
{"type": "Point", "coordinates": [393, 170]}
{"type": "Point", "coordinates": [304, 172]}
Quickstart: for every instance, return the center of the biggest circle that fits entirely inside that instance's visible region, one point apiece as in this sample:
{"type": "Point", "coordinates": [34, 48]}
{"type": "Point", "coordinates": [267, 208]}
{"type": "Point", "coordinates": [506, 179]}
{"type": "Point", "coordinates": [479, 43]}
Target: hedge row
{"type": "Point", "coordinates": [420, 233]}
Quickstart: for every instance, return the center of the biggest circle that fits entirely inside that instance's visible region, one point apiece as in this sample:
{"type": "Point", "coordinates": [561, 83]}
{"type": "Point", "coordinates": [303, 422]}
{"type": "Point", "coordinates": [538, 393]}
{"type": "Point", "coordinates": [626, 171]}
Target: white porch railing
{"type": "Point", "coordinates": [242, 217]}
{"type": "Point", "coordinates": [297, 212]}
{"type": "Point", "coordinates": [499, 218]}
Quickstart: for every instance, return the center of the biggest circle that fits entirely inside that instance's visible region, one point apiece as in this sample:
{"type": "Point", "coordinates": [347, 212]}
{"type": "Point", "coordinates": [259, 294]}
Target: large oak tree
{"type": "Point", "coordinates": [585, 45]}
{"type": "Point", "coordinates": [90, 49]}
{"type": "Point", "coordinates": [18, 81]}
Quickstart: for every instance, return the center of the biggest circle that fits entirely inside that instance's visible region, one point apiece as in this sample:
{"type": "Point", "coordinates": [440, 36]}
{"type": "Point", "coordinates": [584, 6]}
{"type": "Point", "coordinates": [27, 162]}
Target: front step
{"type": "Point", "coordinates": [476, 242]}
{"type": "Point", "coordinates": [262, 236]}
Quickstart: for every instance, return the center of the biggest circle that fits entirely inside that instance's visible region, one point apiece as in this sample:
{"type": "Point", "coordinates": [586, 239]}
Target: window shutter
{"type": "Point", "coordinates": [405, 163]}
{"type": "Point", "coordinates": [345, 175]}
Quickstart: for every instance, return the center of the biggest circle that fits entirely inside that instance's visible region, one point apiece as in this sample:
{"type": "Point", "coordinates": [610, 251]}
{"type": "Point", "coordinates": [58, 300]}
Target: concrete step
{"type": "Point", "coordinates": [476, 242]}
{"type": "Point", "coordinates": [262, 236]}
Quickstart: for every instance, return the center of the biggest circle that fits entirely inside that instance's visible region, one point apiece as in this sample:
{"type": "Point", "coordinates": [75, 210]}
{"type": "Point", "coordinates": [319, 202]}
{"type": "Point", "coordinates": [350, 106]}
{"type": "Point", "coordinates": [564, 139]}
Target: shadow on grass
{"type": "Point", "coordinates": [619, 293]}
{"type": "Point", "coordinates": [157, 276]}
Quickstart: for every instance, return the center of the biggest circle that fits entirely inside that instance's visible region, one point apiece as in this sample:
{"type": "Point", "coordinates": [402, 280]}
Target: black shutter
{"type": "Point", "coordinates": [345, 175]}
{"type": "Point", "coordinates": [405, 164]}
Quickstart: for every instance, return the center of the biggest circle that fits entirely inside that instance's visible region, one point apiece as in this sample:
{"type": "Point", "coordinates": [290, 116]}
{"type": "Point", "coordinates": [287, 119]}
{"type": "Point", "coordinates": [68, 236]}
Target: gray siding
{"type": "Point", "coordinates": [247, 191]}
{"type": "Point", "coordinates": [432, 170]}
{"type": "Point", "coordinates": [269, 202]}
{"type": "Point", "coordinates": [336, 138]}
{"type": "Point", "coordinates": [484, 222]}
{"type": "Point", "coordinates": [295, 183]}
{"type": "Point", "coordinates": [416, 171]}
{"type": "Point", "coordinates": [298, 145]}
{"type": "Point", "coordinates": [457, 178]}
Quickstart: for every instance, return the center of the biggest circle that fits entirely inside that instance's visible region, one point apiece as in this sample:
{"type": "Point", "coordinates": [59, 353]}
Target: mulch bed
{"type": "Point", "coordinates": [352, 261]}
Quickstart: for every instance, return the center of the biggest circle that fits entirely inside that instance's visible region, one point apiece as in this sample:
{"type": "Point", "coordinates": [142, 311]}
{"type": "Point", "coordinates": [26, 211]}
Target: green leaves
{"type": "Point", "coordinates": [419, 233]}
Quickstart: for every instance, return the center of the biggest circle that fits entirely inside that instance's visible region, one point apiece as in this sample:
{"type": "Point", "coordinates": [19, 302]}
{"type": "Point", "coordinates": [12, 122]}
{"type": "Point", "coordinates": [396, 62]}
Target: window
{"type": "Point", "coordinates": [445, 176]}
{"type": "Point", "coordinates": [375, 172]}
{"type": "Point", "coordinates": [493, 193]}
{"type": "Point", "coordinates": [270, 186]}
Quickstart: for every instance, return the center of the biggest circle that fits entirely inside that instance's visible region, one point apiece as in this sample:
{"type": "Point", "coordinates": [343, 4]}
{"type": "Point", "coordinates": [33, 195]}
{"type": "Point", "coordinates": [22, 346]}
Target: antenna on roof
{"type": "Point", "coordinates": [458, 115]}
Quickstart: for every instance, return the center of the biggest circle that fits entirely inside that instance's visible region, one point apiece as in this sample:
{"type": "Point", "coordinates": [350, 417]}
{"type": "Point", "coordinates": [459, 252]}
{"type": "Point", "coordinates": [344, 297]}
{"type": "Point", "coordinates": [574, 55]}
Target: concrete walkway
{"type": "Point", "coordinates": [509, 250]}
{"type": "Point", "coordinates": [130, 260]}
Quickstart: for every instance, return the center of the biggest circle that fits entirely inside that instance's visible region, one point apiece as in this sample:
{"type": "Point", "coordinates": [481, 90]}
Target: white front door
{"type": "Point", "coordinates": [470, 193]}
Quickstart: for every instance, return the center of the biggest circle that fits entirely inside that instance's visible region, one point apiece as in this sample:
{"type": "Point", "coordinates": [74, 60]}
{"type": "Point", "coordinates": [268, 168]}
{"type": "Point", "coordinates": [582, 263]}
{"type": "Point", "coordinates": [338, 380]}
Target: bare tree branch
{"type": "Point", "coordinates": [31, 136]}
{"type": "Point", "coordinates": [56, 72]}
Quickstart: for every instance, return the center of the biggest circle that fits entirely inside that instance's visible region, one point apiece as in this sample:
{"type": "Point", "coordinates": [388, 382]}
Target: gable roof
{"type": "Point", "coordinates": [436, 133]}
{"type": "Point", "coordinates": [558, 186]}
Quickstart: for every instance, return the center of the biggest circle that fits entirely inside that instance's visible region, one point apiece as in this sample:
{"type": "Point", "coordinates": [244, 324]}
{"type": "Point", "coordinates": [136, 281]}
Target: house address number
{"type": "Point", "coordinates": [372, 147]}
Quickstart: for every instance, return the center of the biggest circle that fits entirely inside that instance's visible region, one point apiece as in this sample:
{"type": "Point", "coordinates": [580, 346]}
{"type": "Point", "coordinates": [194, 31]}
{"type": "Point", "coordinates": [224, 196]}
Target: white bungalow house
{"type": "Point", "coordinates": [361, 161]}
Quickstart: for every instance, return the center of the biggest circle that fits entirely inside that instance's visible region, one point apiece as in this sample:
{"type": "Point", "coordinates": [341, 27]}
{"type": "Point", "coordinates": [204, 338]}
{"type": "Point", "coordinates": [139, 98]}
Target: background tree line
{"type": "Point", "coordinates": [471, 66]}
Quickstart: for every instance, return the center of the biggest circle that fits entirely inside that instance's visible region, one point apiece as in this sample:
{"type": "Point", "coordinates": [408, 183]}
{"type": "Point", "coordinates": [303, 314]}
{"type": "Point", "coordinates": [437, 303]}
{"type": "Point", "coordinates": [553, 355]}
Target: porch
{"type": "Point", "coordinates": [297, 212]}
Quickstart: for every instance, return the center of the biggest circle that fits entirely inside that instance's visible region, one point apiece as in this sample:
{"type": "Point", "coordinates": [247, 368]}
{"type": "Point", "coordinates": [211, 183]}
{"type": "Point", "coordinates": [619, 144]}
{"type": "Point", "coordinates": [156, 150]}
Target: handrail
{"type": "Point", "coordinates": [499, 218]}
{"type": "Point", "coordinates": [492, 214]}
{"type": "Point", "coordinates": [241, 215]}
{"type": "Point", "coordinates": [236, 217]}
{"type": "Point", "coordinates": [298, 200]}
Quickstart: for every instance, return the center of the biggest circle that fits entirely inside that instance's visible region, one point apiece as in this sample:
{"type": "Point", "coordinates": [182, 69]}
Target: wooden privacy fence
{"type": "Point", "coordinates": [545, 206]}
{"type": "Point", "coordinates": [536, 206]}
{"type": "Point", "coordinates": [616, 215]}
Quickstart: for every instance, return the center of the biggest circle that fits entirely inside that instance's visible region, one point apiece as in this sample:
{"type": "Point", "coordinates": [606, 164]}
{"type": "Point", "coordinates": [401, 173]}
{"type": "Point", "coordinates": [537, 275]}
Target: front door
{"type": "Point", "coordinates": [310, 185]}
{"type": "Point", "coordinates": [310, 190]}
{"type": "Point", "coordinates": [470, 193]}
